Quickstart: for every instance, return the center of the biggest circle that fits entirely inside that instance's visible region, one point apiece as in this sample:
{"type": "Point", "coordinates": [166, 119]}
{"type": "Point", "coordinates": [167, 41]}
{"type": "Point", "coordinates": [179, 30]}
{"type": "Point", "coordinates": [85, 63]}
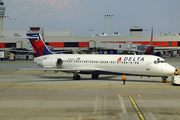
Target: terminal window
{"type": "Point", "coordinates": [178, 43]}
{"type": "Point", "coordinates": [71, 44]}
{"type": "Point", "coordinates": [9, 45]}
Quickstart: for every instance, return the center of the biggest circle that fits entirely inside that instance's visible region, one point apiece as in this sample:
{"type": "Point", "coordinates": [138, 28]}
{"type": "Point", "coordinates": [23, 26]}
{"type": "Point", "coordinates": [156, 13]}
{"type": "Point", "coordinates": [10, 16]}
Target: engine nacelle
{"type": "Point", "coordinates": [50, 63]}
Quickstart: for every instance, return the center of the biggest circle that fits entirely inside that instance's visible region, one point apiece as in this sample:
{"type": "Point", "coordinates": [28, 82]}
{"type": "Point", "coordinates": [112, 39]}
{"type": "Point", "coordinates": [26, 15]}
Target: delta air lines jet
{"type": "Point", "coordinates": [137, 65]}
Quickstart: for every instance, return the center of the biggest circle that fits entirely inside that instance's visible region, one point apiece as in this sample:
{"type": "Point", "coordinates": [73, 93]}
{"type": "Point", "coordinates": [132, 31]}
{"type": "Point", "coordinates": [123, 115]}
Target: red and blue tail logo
{"type": "Point", "coordinates": [38, 45]}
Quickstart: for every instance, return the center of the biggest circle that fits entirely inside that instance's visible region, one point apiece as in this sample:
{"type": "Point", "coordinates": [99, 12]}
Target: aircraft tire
{"type": "Point", "coordinates": [76, 77]}
{"type": "Point", "coordinates": [95, 76]}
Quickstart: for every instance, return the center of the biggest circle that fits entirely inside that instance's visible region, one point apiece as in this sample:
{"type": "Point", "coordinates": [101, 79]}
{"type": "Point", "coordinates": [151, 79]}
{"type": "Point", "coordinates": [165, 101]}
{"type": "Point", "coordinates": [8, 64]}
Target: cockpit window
{"type": "Point", "coordinates": [163, 61]}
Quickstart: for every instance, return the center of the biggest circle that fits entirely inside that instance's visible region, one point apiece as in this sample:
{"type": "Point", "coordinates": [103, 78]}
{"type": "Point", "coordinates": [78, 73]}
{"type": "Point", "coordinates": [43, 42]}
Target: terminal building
{"type": "Point", "coordinates": [63, 40]}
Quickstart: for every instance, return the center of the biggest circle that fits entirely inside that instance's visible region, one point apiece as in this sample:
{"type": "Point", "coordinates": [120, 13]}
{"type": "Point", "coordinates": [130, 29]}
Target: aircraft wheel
{"type": "Point", "coordinates": [76, 77]}
{"type": "Point", "coordinates": [95, 76]}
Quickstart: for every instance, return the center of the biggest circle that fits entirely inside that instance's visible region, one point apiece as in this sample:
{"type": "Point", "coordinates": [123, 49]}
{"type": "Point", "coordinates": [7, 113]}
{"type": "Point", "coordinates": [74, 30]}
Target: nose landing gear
{"type": "Point", "coordinates": [164, 80]}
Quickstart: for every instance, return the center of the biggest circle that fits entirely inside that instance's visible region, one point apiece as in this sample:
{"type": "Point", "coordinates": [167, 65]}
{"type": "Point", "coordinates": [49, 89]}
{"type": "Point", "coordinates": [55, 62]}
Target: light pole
{"type": "Point", "coordinates": [13, 19]}
{"type": "Point", "coordinates": [108, 17]}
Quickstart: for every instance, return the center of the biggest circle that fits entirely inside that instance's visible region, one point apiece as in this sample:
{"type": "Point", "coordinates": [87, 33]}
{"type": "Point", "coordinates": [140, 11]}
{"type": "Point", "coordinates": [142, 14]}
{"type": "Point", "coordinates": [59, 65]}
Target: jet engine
{"type": "Point", "coordinates": [50, 63]}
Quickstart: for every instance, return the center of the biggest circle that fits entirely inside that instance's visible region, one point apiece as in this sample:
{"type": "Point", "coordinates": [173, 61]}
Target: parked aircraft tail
{"type": "Point", "coordinates": [38, 45]}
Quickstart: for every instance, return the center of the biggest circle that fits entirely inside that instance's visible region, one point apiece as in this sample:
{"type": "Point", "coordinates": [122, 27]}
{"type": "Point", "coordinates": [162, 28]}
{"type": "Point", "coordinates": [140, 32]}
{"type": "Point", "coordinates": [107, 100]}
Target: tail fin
{"type": "Point", "coordinates": [152, 37]}
{"type": "Point", "coordinates": [38, 45]}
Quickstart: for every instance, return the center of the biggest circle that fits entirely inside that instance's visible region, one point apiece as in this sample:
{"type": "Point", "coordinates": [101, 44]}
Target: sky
{"type": "Point", "coordinates": [80, 16]}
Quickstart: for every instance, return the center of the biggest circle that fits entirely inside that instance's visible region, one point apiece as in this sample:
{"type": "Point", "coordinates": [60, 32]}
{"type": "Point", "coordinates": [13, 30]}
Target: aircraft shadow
{"type": "Point", "coordinates": [101, 78]}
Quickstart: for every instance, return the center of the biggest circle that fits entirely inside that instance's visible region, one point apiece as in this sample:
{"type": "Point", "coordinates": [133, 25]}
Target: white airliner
{"type": "Point", "coordinates": [137, 65]}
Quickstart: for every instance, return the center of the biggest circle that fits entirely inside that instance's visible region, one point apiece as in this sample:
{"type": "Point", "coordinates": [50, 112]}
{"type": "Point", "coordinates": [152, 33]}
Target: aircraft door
{"type": "Point", "coordinates": [148, 66]}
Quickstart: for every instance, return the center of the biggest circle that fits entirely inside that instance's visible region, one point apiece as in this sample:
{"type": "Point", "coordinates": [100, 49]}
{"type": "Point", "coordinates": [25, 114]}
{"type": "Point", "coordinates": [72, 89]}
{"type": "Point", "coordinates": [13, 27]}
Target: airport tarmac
{"type": "Point", "coordinates": [39, 95]}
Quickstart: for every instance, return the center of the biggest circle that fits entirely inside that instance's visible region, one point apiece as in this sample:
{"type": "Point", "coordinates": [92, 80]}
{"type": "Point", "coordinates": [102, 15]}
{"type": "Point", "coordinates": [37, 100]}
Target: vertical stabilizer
{"type": "Point", "coordinates": [38, 45]}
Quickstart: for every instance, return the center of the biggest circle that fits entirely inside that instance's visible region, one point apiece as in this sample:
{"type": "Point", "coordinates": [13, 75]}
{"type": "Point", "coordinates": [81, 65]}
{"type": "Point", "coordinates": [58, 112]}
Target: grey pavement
{"type": "Point", "coordinates": [39, 95]}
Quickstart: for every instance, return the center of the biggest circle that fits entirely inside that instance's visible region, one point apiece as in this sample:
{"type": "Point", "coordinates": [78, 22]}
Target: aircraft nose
{"type": "Point", "coordinates": [170, 69]}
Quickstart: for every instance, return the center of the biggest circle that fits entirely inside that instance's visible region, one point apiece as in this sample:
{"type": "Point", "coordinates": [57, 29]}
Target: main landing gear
{"type": "Point", "coordinates": [76, 77]}
{"type": "Point", "coordinates": [95, 76]}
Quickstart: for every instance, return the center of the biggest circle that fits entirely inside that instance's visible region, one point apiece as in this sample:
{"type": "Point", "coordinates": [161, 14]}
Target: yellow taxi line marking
{"type": "Point", "coordinates": [140, 114]}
